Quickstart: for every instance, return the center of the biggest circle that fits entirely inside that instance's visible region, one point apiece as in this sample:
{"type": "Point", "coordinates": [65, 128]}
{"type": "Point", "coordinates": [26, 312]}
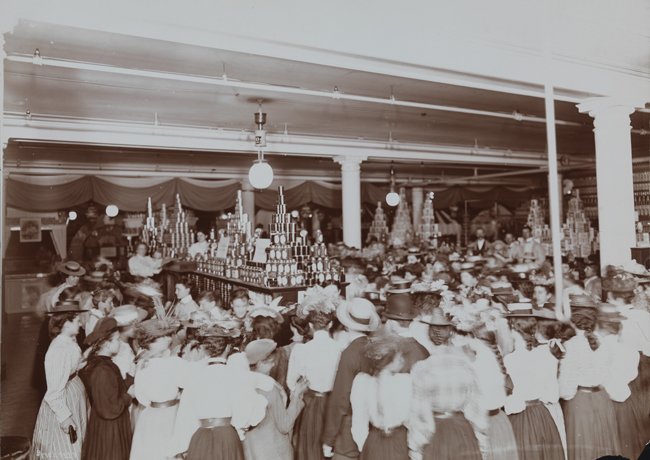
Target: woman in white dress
{"type": "Point", "coordinates": [159, 378]}
{"type": "Point", "coordinates": [61, 421]}
{"type": "Point", "coordinates": [381, 403]}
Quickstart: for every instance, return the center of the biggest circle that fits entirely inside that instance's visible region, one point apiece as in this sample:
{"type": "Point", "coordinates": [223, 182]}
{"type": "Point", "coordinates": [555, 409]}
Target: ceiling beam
{"type": "Point", "coordinates": [192, 139]}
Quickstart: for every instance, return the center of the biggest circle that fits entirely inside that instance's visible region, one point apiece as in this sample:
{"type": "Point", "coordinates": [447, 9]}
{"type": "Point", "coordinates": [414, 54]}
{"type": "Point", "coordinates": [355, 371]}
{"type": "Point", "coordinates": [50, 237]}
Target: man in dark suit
{"type": "Point", "coordinates": [359, 319]}
{"type": "Point", "coordinates": [399, 314]}
{"type": "Point", "coordinates": [481, 246]}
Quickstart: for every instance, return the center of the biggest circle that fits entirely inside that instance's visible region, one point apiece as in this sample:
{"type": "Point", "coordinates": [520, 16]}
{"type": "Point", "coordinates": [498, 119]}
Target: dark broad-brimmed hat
{"type": "Point", "coordinates": [548, 312]}
{"type": "Point", "coordinates": [609, 313]}
{"type": "Point", "coordinates": [227, 329]}
{"type": "Point", "coordinates": [582, 301]}
{"type": "Point", "coordinates": [399, 307]}
{"type": "Point", "coordinates": [72, 268]}
{"type": "Point", "coordinates": [374, 297]}
{"type": "Point", "coordinates": [358, 315]}
{"type": "Point", "coordinates": [66, 306]}
{"type": "Point", "coordinates": [436, 318]}
{"type": "Point", "coordinates": [103, 326]}
{"type": "Point", "coordinates": [259, 350]}
{"type": "Point", "coordinates": [128, 315]}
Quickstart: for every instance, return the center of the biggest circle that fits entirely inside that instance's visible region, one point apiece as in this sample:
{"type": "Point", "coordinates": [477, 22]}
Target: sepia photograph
{"type": "Point", "coordinates": [346, 230]}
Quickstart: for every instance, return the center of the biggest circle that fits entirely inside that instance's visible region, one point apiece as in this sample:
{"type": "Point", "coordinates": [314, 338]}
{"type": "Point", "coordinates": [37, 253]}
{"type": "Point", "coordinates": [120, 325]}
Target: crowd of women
{"type": "Point", "coordinates": [428, 362]}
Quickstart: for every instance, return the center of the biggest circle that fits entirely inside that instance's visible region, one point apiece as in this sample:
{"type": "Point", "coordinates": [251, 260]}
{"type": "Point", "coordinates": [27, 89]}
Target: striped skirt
{"type": "Point", "coordinates": [309, 427]}
{"type": "Point", "coordinates": [50, 441]}
{"type": "Point", "coordinates": [454, 439]}
{"type": "Point", "coordinates": [536, 434]}
{"type": "Point", "coordinates": [591, 427]}
{"type": "Point", "coordinates": [501, 438]}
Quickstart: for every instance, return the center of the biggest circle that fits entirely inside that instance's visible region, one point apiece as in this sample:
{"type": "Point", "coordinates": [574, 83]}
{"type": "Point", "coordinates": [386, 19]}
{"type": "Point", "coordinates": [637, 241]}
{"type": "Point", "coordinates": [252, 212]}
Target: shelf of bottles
{"type": "Point", "coordinates": [586, 190]}
{"type": "Point", "coordinates": [641, 177]}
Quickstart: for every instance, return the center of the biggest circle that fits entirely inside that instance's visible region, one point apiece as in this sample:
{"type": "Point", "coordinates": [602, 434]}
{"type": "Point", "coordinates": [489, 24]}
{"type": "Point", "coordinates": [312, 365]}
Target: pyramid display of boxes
{"type": "Point", "coordinates": [379, 225]}
{"type": "Point", "coordinates": [176, 229]}
{"type": "Point", "coordinates": [537, 222]}
{"type": "Point", "coordinates": [578, 235]}
{"type": "Point", "coordinates": [427, 228]}
{"type": "Point", "coordinates": [402, 234]}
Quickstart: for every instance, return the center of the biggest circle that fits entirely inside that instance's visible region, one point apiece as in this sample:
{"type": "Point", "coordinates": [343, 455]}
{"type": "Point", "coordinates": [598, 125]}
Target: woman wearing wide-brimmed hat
{"type": "Point", "coordinates": [71, 272]}
{"type": "Point", "coordinates": [108, 436]}
{"type": "Point", "coordinates": [127, 318]}
{"type": "Point", "coordinates": [159, 378]}
{"type": "Point", "coordinates": [65, 406]}
{"type": "Point", "coordinates": [533, 372]}
{"type": "Point", "coordinates": [589, 414]}
{"type": "Point", "coordinates": [381, 402]}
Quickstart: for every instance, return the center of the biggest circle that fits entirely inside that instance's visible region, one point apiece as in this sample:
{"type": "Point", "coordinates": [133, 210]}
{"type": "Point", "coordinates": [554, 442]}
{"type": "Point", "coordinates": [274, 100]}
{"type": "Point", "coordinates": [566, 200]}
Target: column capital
{"type": "Point", "coordinates": [597, 105]}
{"type": "Point", "coordinates": [350, 159]}
{"type": "Point", "coordinates": [246, 186]}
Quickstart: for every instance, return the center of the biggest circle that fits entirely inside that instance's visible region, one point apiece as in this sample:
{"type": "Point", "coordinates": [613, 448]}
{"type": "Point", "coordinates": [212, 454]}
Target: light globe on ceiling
{"type": "Point", "coordinates": [112, 210]}
{"type": "Point", "coordinates": [72, 215]}
{"type": "Point", "coordinates": [392, 199]}
{"type": "Point", "coordinates": [260, 174]}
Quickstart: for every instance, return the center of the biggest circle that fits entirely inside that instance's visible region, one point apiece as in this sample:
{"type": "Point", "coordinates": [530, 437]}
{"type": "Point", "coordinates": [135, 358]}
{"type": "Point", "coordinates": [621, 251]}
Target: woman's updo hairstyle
{"type": "Point", "coordinates": [55, 325]}
{"type": "Point", "coordinates": [585, 320]}
{"type": "Point", "coordinates": [527, 327]}
{"type": "Point", "coordinates": [382, 351]}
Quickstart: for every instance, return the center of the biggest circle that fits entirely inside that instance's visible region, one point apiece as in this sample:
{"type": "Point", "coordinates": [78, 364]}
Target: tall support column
{"type": "Point", "coordinates": [614, 176]}
{"type": "Point", "coordinates": [351, 192]}
{"type": "Point", "coordinates": [248, 201]}
{"type": "Point", "coordinates": [417, 197]}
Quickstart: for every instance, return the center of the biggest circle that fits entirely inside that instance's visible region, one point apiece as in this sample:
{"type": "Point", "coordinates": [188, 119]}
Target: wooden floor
{"type": "Point", "coordinates": [19, 401]}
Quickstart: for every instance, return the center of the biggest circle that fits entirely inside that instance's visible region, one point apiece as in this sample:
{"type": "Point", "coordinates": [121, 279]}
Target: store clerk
{"type": "Point", "coordinates": [185, 305]}
{"type": "Point", "coordinates": [200, 247]}
{"type": "Point", "coordinates": [143, 265]}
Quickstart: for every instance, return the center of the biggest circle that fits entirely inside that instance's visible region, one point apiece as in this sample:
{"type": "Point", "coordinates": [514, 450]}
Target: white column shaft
{"type": "Point", "coordinates": [417, 197]}
{"type": "Point", "coordinates": [351, 192]}
{"type": "Point", "coordinates": [614, 178]}
{"type": "Point", "coordinates": [248, 202]}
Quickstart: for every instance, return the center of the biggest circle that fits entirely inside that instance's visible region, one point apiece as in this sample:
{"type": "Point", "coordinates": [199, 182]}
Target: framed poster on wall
{"type": "Point", "coordinates": [30, 230]}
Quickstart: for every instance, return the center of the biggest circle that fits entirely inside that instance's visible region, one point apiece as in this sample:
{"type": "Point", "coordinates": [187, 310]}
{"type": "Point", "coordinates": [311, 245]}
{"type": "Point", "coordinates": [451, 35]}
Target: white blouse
{"type": "Point", "coordinates": [124, 359]}
{"type": "Point", "coordinates": [316, 360]}
{"type": "Point", "coordinates": [161, 379]}
{"type": "Point", "coordinates": [619, 365]}
{"type": "Point", "coordinates": [491, 380]}
{"type": "Point", "coordinates": [579, 367]}
{"type": "Point", "coordinates": [216, 391]}
{"type": "Point", "coordinates": [383, 401]}
{"type": "Point", "coordinates": [144, 266]}
{"type": "Point", "coordinates": [184, 309]}
{"type": "Point", "coordinates": [534, 376]}
{"type": "Point", "coordinates": [636, 329]}
{"type": "Point", "coordinates": [61, 361]}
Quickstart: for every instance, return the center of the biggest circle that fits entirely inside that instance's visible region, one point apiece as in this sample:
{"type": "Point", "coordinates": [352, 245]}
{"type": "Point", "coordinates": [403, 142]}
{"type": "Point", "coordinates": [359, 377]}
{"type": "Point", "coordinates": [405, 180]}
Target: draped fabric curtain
{"type": "Point", "coordinates": [53, 193]}
{"type": "Point", "coordinates": [59, 237]}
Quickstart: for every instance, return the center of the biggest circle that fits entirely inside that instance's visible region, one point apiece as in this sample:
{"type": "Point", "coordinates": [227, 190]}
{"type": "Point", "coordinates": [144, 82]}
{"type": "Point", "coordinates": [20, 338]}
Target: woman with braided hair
{"type": "Point", "coordinates": [381, 402]}
{"type": "Point", "coordinates": [589, 414]}
{"type": "Point", "coordinates": [533, 372]}
{"type": "Point", "coordinates": [491, 373]}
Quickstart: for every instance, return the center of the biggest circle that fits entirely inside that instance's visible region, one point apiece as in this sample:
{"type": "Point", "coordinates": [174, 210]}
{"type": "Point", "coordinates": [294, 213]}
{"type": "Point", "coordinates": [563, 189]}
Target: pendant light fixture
{"type": "Point", "coordinates": [392, 198]}
{"type": "Point", "coordinates": [261, 173]}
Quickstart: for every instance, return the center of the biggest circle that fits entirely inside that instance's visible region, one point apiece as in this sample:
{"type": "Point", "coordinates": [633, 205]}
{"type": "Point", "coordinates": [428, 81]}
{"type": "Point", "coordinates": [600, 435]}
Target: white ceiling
{"type": "Point", "coordinates": [326, 52]}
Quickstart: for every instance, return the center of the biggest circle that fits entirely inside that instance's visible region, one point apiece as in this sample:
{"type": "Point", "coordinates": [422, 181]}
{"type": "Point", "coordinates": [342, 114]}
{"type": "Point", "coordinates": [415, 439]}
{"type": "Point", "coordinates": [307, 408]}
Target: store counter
{"type": "Point", "coordinates": [223, 286]}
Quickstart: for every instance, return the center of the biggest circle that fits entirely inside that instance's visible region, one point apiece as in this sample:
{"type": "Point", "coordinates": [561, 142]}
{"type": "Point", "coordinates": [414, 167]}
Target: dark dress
{"type": "Point", "coordinates": [108, 435]}
{"type": "Point", "coordinates": [413, 352]}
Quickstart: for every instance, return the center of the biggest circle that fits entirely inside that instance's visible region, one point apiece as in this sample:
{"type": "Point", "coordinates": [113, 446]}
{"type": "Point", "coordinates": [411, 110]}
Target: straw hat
{"type": "Point", "coordinates": [72, 268]}
{"type": "Point", "coordinates": [259, 350]}
{"type": "Point", "coordinates": [608, 312]}
{"type": "Point", "coordinates": [95, 277]}
{"type": "Point", "coordinates": [198, 319]}
{"type": "Point", "coordinates": [620, 283]}
{"type": "Point", "coordinates": [158, 328]}
{"type": "Point", "coordinates": [127, 315]}
{"type": "Point", "coordinates": [582, 301]}
{"type": "Point", "coordinates": [66, 306]}
{"type": "Point", "coordinates": [399, 286]}
{"type": "Point", "coordinates": [359, 315]}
